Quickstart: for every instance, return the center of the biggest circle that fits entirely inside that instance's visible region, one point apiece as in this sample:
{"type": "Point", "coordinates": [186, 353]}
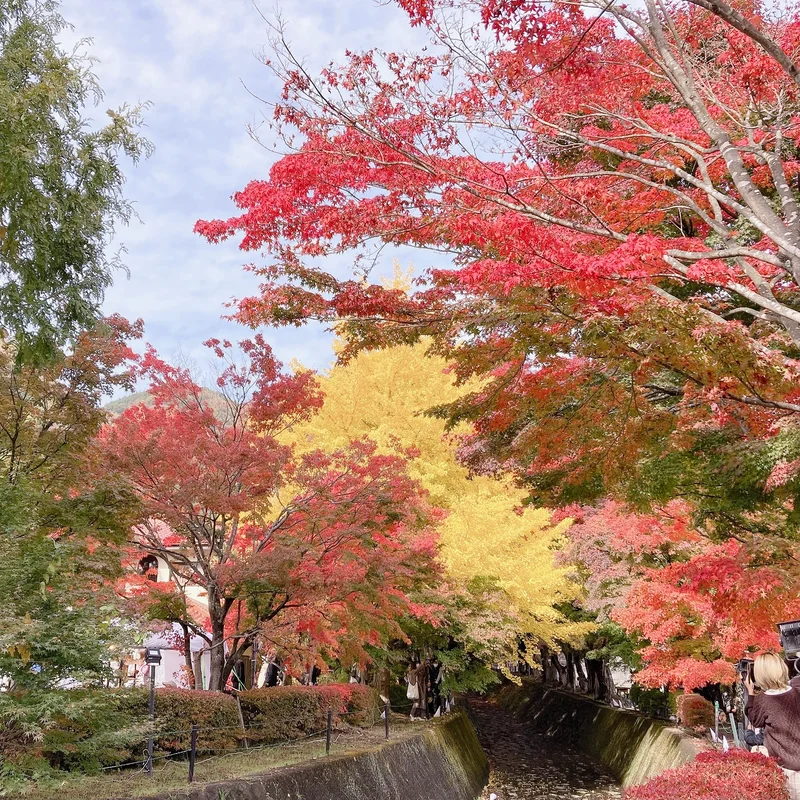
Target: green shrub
{"type": "Point", "coordinates": [92, 729]}
{"type": "Point", "coordinates": [398, 698]}
{"type": "Point", "coordinates": [90, 732]}
{"type": "Point", "coordinates": [82, 731]}
{"type": "Point", "coordinates": [291, 712]}
{"type": "Point", "coordinates": [282, 712]}
{"type": "Point", "coordinates": [105, 727]}
{"type": "Point", "coordinates": [176, 711]}
{"type": "Point", "coordinates": [653, 702]}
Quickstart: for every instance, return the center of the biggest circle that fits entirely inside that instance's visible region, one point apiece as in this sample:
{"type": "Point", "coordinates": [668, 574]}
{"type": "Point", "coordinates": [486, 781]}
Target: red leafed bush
{"type": "Point", "coordinates": [717, 776]}
{"type": "Point", "coordinates": [359, 705]}
{"type": "Point", "coordinates": [695, 711]}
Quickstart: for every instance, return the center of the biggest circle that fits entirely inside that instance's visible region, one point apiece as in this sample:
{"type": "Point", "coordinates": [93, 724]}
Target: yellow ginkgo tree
{"type": "Point", "coordinates": [496, 550]}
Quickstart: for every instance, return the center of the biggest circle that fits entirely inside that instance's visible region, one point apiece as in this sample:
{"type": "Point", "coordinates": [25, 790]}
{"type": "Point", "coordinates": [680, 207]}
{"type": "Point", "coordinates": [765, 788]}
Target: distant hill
{"type": "Point", "coordinates": [115, 407]}
{"type": "Point", "coordinates": [124, 403]}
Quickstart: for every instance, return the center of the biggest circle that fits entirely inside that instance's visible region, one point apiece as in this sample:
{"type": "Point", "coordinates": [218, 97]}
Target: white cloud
{"type": "Point", "coordinates": [191, 58]}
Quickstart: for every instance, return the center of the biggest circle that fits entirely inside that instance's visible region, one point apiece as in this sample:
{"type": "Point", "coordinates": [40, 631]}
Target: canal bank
{"type": "Point", "coordinates": [541, 745]}
{"type": "Point", "coordinates": [442, 761]}
{"type": "Point", "coordinates": [631, 746]}
{"type": "Point", "coordinates": [527, 766]}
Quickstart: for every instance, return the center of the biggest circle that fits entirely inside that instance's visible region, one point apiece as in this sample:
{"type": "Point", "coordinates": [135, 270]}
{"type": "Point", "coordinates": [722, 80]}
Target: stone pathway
{"type": "Point", "coordinates": [525, 768]}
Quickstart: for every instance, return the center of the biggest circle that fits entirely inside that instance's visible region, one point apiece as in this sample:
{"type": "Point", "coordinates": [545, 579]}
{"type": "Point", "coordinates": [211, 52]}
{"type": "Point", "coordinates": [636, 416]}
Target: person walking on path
{"type": "Point", "coordinates": [776, 709]}
{"type": "Point", "coordinates": [412, 692]}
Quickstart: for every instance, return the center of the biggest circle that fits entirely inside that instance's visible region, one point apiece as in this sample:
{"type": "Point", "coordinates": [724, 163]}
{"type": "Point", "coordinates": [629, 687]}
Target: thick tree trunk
{"type": "Point", "coordinates": [611, 689]}
{"type": "Point", "coordinates": [544, 653]}
{"type": "Point", "coordinates": [216, 680]}
{"type": "Point", "coordinates": [236, 654]}
{"type": "Point", "coordinates": [597, 675]}
{"type": "Point", "coordinates": [384, 682]}
{"type": "Point", "coordinates": [558, 670]}
{"type": "Point", "coordinates": [216, 677]}
{"type": "Point", "coordinates": [594, 668]}
{"type": "Point", "coordinates": [570, 668]}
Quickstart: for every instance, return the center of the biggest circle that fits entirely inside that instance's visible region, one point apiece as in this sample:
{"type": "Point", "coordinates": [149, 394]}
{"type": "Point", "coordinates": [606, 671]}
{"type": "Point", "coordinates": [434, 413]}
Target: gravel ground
{"type": "Point", "coordinates": [526, 768]}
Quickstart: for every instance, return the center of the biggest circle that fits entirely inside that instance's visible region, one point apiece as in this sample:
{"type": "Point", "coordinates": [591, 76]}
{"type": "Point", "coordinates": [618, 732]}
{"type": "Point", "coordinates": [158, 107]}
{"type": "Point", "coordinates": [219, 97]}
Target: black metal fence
{"type": "Point", "coordinates": [245, 738]}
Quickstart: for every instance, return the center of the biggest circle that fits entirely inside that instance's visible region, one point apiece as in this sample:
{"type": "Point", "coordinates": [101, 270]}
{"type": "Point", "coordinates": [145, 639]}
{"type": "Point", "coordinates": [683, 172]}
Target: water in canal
{"type": "Point", "coordinates": [524, 767]}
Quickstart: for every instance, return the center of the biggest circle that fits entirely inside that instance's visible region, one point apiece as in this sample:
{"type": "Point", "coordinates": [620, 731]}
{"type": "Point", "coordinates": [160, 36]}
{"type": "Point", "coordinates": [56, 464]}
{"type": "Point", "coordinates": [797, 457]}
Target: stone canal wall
{"type": "Point", "coordinates": [442, 762]}
{"type": "Point", "coordinates": [633, 747]}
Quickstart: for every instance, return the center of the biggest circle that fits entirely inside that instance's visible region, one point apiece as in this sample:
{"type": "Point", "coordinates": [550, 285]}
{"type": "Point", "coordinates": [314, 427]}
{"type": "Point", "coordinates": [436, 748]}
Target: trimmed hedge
{"type": "Point", "coordinates": [361, 704]}
{"type": "Point", "coordinates": [282, 712]}
{"type": "Point", "coordinates": [115, 727]}
{"type": "Point", "coordinates": [177, 710]}
{"type": "Point", "coordinates": [694, 711]}
{"type": "Point", "coordinates": [735, 775]}
{"type": "Point", "coordinates": [292, 712]}
{"type": "Point", "coordinates": [108, 727]}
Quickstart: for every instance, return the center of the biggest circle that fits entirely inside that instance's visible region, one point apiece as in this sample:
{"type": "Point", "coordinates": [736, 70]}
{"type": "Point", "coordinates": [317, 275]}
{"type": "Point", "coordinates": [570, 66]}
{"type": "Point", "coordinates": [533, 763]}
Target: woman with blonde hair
{"type": "Point", "coordinates": [776, 709]}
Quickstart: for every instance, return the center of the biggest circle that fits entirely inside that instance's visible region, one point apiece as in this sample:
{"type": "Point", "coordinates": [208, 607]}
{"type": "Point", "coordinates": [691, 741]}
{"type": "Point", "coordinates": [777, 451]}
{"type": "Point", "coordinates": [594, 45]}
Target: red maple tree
{"type": "Point", "coordinates": [695, 606]}
{"type": "Point", "coordinates": [326, 549]}
{"type": "Point", "coordinates": [617, 190]}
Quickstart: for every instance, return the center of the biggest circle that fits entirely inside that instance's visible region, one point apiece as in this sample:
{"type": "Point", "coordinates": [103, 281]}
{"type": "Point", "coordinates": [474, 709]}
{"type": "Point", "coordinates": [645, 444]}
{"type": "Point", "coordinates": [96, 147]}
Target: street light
{"type": "Point", "coordinates": [152, 657]}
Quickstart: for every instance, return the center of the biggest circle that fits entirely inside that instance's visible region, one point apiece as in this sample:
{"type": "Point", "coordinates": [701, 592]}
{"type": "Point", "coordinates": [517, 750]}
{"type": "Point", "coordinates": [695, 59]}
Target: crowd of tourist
{"type": "Point", "coordinates": [424, 688]}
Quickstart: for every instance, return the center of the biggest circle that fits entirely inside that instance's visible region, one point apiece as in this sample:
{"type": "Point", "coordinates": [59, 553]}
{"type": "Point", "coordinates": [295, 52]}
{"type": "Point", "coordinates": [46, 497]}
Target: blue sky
{"type": "Point", "coordinates": [190, 58]}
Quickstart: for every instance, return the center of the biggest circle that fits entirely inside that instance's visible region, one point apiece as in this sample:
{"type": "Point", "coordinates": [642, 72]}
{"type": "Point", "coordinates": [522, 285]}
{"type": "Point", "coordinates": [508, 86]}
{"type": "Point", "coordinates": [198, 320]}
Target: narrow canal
{"type": "Point", "coordinates": [527, 768]}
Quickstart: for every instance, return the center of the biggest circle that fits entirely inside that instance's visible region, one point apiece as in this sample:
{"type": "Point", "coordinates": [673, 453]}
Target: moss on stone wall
{"type": "Point", "coordinates": [442, 762]}
{"type": "Point", "coordinates": [634, 747]}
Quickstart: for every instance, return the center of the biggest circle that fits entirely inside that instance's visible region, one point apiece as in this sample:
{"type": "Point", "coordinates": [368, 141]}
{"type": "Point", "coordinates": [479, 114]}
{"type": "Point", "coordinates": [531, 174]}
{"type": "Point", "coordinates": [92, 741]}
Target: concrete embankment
{"type": "Point", "coordinates": [633, 747]}
{"type": "Point", "coordinates": [442, 762]}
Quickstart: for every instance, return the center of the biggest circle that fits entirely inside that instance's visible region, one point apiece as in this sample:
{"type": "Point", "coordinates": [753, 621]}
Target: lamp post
{"type": "Point", "coordinates": [152, 657]}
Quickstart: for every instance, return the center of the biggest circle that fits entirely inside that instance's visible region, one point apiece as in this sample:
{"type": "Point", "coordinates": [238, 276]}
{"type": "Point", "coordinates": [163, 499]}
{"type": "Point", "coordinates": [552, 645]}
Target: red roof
{"type": "Point", "coordinates": [159, 528]}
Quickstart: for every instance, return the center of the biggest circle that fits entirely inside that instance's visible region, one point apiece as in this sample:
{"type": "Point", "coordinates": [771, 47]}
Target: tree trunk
{"type": "Point", "coordinates": [187, 656]}
{"type": "Point", "coordinates": [197, 663]}
{"type": "Point", "coordinates": [597, 672]}
{"type": "Point", "coordinates": [558, 670]}
{"type": "Point", "coordinates": [611, 689]}
{"type": "Point", "coordinates": [594, 668]}
{"type": "Point", "coordinates": [216, 677]}
{"type": "Point", "coordinates": [570, 655]}
{"type": "Point", "coordinates": [544, 652]}
{"type": "Point", "coordinates": [583, 683]}
{"type": "Point", "coordinates": [238, 647]}
{"type": "Point", "coordinates": [384, 682]}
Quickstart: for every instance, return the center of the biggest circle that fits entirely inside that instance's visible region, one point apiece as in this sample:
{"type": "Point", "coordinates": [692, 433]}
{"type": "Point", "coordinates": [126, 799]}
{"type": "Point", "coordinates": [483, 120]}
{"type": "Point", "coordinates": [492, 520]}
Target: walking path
{"type": "Point", "coordinates": [527, 768]}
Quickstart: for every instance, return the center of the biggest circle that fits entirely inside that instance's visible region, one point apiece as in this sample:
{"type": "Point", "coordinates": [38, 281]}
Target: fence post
{"type": "Point", "coordinates": [241, 722]}
{"type": "Point", "coordinates": [193, 752]}
{"type": "Point", "coordinates": [328, 733]}
{"type": "Point", "coordinates": [386, 718]}
{"type": "Point", "coordinates": [148, 767]}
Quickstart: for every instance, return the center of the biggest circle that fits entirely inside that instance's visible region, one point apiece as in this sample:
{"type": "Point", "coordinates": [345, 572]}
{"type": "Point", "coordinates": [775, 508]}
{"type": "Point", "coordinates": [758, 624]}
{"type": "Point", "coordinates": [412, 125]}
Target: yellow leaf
{"type": "Point", "coordinates": [383, 395]}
